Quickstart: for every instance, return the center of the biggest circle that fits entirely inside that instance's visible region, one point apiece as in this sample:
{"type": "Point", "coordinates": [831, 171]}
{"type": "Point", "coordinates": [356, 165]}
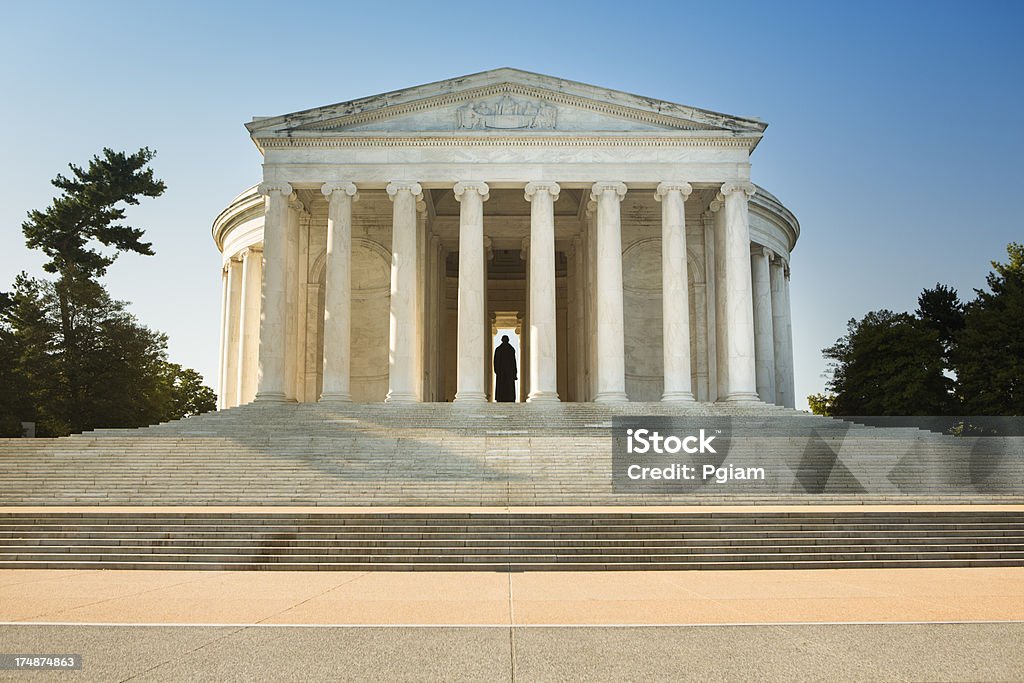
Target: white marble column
{"type": "Point", "coordinates": [675, 291]}
{"type": "Point", "coordinates": [421, 301]}
{"type": "Point", "coordinates": [721, 300]}
{"type": "Point", "coordinates": [764, 341]}
{"type": "Point", "coordinates": [742, 378]}
{"type": "Point", "coordinates": [440, 280]}
{"type": "Point", "coordinates": [301, 354]}
{"type": "Point", "coordinates": [222, 368]}
{"type": "Point", "coordinates": [402, 378]}
{"type": "Point", "coordinates": [611, 343]}
{"type": "Point", "coordinates": [590, 224]}
{"type": "Point", "coordinates": [543, 343]}
{"type": "Point", "coordinates": [249, 325]}
{"type": "Point", "coordinates": [430, 325]}
{"type": "Point", "coordinates": [470, 387]}
{"type": "Point", "coordinates": [524, 337]}
{"type": "Point", "coordinates": [229, 384]}
{"type": "Point", "coordinates": [579, 348]}
{"type": "Point", "coordinates": [782, 333]}
{"type": "Point", "coordinates": [338, 292]}
{"type": "Point", "coordinates": [270, 380]}
{"type": "Point", "coordinates": [711, 317]}
{"type": "Point", "coordinates": [291, 290]}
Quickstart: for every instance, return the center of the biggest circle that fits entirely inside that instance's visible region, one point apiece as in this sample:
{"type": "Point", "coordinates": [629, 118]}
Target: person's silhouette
{"type": "Point", "coordinates": [505, 371]}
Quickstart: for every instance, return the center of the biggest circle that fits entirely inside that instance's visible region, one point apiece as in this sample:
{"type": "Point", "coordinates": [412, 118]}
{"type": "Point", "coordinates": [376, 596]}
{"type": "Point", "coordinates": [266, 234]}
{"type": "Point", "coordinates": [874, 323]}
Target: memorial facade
{"type": "Point", "coordinates": [620, 238]}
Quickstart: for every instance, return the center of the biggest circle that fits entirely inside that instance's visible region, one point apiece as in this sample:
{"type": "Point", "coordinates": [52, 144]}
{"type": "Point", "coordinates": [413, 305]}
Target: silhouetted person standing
{"type": "Point", "coordinates": [505, 371]}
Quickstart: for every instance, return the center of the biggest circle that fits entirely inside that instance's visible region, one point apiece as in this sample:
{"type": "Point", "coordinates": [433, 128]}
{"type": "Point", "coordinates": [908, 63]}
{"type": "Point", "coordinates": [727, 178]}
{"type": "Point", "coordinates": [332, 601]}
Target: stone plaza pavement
{"type": "Point", "coordinates": [842, 624]}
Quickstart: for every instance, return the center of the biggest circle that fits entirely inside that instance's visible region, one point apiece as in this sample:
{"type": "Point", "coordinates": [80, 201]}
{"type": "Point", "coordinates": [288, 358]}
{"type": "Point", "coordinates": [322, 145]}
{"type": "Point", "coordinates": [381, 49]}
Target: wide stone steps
{"type": "Point", "coordinates": [489, 455]}
{"type": "Point", "coordinates": [510, 542]}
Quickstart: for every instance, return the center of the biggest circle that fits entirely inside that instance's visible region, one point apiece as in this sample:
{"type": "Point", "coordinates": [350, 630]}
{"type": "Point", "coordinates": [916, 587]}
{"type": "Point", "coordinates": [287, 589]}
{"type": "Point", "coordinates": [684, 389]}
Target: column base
{"type": "Point", "coordinates": [543, 397]}
{"type": "Point", "coordinates": [741, 397]}
{"type": "Point", "coordinates": [401, 397]}
{"type": "Point", "coordinates": [677, 397]}
{"type": "Point", "coordinates": [470, 397]}
{"type": "Point", "coordinates": [612, 397]}
{"type": "Point", "coordinates": [272, 397]}
{"type": "Point", "coordinates": [335, 398]}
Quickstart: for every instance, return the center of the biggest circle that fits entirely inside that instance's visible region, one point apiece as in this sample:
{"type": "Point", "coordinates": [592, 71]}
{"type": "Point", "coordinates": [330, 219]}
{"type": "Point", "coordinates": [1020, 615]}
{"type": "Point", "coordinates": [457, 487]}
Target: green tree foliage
{"type": "Point", "coordinates": [122, 367]}
{"type": "Point", "coordinates": [941, 311]}
{"type": "Point", "coordinates": [989, 358]}
{"type": "Point", "coordinates": [189, 396]}
{"type": "Point", "coordinates": [948, 358]}
{"type": "Point", "coordinates": [888, 364]}
{"type": "Point", "coordinates": [73, 357]}
{"type": "Point", "coordinates": [87, 214]}
{"type": "Point", "coordinates": [820, 404]}
{"type": "Point", "coordinates": [88, 211]}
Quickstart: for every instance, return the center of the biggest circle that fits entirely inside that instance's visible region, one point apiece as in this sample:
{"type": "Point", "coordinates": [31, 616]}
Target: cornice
{"type": "Point", "coordinates": [246, 206]}
{"type": "Point", "coordinates": [769, 206]}
{"type": "Point", "coordinates": [561, 141]}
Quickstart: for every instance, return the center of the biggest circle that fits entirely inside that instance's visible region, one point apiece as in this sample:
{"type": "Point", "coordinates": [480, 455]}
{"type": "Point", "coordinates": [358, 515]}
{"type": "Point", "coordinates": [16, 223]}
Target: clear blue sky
{"type": "Point", "coordinates": [895, 129]}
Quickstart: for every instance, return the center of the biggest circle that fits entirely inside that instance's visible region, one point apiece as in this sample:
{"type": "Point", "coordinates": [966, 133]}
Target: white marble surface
{"type": "Point", "coordinates": [337, 334]}
{"type": "Point", "coordinates": [403, 381]}
{"type": "Point", "coordinates": [249, 323]}
{"type": "Point", "coordinates": [764, 340]}
{"type": "Point", "coordinates": [675, 289]}
{"type": "Point", "coordinates": [270, 378]}
{"type": "Point", "coordinates": [232, 332]}
{"type": "Point", "coordinates": [543, 342]}
{"type": "Point", "coordinates": [291, 298]}
{"type": "Point", "coordinates": [471, 320]}
{"type": "Point", "coordinates": [739, 310]}
{"type": "Point", "coordinates": [611, 353]}
{"type": "Point", "coordinates": [782, 331]}
{"type": "Point", "coordinates": [721, 300]}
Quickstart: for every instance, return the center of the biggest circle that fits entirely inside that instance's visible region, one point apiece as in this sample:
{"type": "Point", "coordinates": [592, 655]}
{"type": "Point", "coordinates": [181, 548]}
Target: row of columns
{"type": "Point", "coordinates": [240, 327]}
{"type": "Point", "coordinates": [745, 360]}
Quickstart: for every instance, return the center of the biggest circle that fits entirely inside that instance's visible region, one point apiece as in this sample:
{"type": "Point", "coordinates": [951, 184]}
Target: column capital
{"type": "Point", "coordinates": [296, 204]}
{"type": "Point", "coordinates": [328, 190]}
{"type": "Point", "coordinates": [487, 248]}
{"type": "Point", "coordinates": [762, 250]}
{"type": "Point", "coordinates": [717, 203]}
{"type": "Point", "coordinates": [673, 186]}
{"type": "Point", "coordinates": [477, 186]}
{"type": "Point", "coordinates": [396, 186]}
{"type": "Point", "coordinates": [251, 250]}
{"type": "Point", "coordinates": [737, 186]}
{"type": "Point", "coordinates": [269, 188]}
{"type": "Point", "coordinates": [616, 189]}
{"type": "Point", "coordinates": [548, 186]}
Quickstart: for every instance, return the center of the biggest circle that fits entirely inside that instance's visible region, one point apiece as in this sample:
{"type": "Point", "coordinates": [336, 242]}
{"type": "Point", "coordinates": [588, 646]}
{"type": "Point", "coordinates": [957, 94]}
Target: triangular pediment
{"type": "Point", "coordinates": [501, 101]}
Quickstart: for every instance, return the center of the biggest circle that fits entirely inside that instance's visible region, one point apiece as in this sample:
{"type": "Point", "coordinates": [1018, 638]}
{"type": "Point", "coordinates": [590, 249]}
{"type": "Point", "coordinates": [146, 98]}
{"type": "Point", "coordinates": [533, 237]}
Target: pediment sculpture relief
{"type": "Point", "coordinates": [507, 113]}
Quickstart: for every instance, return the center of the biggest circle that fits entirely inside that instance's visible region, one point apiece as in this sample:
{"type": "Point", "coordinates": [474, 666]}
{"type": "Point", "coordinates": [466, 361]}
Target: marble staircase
{"type": "Point", "coordinates": [524, 541]}
{"type": "Point", "coordinates": [489, 455]}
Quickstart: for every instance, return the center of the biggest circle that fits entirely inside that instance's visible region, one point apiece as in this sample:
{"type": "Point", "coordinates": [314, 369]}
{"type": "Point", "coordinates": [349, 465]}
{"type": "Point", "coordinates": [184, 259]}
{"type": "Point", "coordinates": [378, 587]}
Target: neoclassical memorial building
{"type": "Point", "coordinates": [619, 236]}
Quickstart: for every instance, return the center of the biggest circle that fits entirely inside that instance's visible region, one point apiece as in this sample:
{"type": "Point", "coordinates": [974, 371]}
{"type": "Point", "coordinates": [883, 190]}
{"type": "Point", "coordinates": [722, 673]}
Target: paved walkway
{"type": "Point", "coordinates": [881, 652]}
{"type": "Point", "coordinates": [529, 598]}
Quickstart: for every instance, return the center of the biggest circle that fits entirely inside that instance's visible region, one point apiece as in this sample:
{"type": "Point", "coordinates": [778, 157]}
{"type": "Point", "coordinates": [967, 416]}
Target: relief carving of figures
{"type": "Point", "coordinates": [508, 113]}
